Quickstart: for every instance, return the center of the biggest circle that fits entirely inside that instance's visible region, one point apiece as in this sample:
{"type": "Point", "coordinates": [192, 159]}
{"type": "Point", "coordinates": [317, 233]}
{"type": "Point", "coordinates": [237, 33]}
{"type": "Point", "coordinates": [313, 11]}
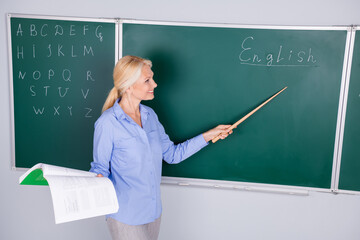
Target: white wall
{"type": "Point", "coordinates": [189, 213]}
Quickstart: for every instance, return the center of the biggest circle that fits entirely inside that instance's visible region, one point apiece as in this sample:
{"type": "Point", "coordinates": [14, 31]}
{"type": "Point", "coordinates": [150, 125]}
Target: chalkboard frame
{"type": "Point", "coordinates": [336, 187]}
{"type": "Point", "coordinates": [10, 62]}
{"type": "Point", "coordinates": [218, 183]}
{"type": "Point", "coordinates": [294, 190]}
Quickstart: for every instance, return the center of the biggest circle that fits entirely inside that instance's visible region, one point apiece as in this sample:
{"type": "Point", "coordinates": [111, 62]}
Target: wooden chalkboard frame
{"type": "Point", "coordinates": [44, 17]}
{"type": "Point", "coordinates": [339, 126]}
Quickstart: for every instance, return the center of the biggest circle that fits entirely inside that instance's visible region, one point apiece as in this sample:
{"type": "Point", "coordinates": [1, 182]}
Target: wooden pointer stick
{"type": "Point", "coordinates": [249, 114]}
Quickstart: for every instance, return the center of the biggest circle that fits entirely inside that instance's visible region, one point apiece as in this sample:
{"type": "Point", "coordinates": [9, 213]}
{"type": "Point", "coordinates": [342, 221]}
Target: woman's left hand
{"type": "Point", "coordinates": [222, 131]}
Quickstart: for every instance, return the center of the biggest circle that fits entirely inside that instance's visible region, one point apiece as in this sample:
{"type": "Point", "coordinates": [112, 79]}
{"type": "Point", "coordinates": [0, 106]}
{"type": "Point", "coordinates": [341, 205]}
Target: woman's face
{"type": "Point", "coordinates": [143, 88]}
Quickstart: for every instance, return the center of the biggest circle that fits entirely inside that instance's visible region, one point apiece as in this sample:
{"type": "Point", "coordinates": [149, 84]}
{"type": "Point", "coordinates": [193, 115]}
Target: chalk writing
{"type": "Point", "coordinates": [61, 110]}
{"type": "Point", "coordinates": [278, 57]}
{"type": "Point", "coordinates": [36, 74]}
{"type": "Point", "coordinates": [44, 30]}
{"type": "Point", "coordinates": [55, 51]}
{"type": "Point", "coordinates": [50, 42]}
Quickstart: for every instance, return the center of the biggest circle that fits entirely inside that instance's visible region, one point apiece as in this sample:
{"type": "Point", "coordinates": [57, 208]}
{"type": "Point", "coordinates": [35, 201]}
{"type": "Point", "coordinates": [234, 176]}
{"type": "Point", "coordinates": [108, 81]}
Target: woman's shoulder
{"type": "Point", "coordinates": [107, 117]}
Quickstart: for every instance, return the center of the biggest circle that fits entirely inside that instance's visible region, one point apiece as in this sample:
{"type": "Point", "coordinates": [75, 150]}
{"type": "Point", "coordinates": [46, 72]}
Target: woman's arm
{"type": "Point", "coordinates": [102, 148]}
{"type": "Point", "coordinates": [176, 153]}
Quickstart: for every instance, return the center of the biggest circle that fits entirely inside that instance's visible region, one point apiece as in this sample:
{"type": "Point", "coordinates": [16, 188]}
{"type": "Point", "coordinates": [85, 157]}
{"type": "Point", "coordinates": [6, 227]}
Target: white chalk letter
{"type": "Point", "coordinates": [37, 111]}
{"type": "Point", "coordinates": [290, 55]}
{"type": "Point", "coordinates": [20, 52]}
{"type": "Point", "coordinates": [42, 30]}
{"type": "Point", "coordinates": [86, 27]}
{"type": "Point", "coordinates": [85, 94]}
{"type": "Point", "coordinates": [72, 30]}
{"type": "Point", "coordinates": [256, 59]}
{"type": "Point", "coordinates": [19, 31]}
{"type": "Point", "coordinates": [59, 50]}
{"type": "Point", "coordinates": [32, 90]}
{"type": "Point", "coordinates": [98, 33]}
{"type": "Point", "coordinates": [51, 73]}
{"type": "Point", "coordinates": [244, 50]}
{"type": "Point", "coordinates": [56, 111]}
{"type": "Point", "coordinates": [87, 115]}
{"type": "Point", "coordinates": [49, 47]}
{"type": "Point", "coordinates": [279, 58]}
{"type": "Point", "coordinates": [34, 56]}
{"type": "Point", "coordinates": [301, 58]}
{"type": "Point", "coordinates": [88, 76]}
{"type": "Point", "coordinates": [33, 31]}
{"type": "Point", "coordinates": [88, 51]}
{"type": "Point", "coordinates": [59, 30]}
{"type": "Point", "coordinates": [21, 76]}
{"type": "Point", "coordinates": [311, 57]}
{"type": "Point", "coordinates": [70, 108]}
{"type": "Point", "coordinates": [72, 51]}
{"type": "Point", "coordinates": [269, 57]}
{"type": "Point", "coordinates": [66, 89]}
{"type": "Point", "coordinates": [46, 88]}
{"type": "Point", "coordinates": [68, 76]}
{"type": "Point", "coordinates": [36, 75]}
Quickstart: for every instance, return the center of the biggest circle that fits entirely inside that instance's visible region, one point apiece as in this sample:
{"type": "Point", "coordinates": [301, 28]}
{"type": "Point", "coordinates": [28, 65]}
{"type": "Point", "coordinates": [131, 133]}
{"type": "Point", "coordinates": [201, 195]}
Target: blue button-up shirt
{"type": "Point", "coordinates": [131, 156]}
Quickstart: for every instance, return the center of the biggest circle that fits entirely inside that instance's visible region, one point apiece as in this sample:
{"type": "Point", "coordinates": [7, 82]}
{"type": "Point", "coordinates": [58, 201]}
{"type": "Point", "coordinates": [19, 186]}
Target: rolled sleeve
{"type": "Point", "coordinates": [200, 142]}
{"type": "Point", "coordinates": [103, 145]}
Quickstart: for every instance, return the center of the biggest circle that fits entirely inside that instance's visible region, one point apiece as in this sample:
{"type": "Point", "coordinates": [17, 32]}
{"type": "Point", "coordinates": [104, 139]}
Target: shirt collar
{"type": "Point", "coordinates": [120, 114]}
{"type": "Point", "coordinates": [144, 114]}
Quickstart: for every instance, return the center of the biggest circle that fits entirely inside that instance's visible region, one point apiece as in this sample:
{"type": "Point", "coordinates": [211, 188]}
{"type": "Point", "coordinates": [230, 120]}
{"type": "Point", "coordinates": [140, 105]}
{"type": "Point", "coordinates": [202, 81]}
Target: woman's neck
{"type": "Point", "coordinates": [129, 105]}
{"type": "Point", "coordinates": [132, 108]}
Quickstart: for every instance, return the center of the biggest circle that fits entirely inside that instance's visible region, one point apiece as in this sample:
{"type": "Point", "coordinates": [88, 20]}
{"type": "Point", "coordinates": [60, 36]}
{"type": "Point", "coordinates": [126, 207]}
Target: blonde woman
{"type": "Point", "coordinates": [129, 146]}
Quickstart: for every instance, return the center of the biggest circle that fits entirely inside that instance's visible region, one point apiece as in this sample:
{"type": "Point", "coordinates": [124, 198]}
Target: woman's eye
{"type": "Point", "coordinates": [147, 80]}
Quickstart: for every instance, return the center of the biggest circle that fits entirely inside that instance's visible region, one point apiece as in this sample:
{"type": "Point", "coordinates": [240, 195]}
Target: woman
{"type": "Point", "coordinates": [129, 145]}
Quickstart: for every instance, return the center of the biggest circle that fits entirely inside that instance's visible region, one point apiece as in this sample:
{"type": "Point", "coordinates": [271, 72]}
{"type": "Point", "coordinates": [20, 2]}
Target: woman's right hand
{"type": "Point", "coordinates": [99, 175]}
{"type": "Point", "coordinates": [221, 131]}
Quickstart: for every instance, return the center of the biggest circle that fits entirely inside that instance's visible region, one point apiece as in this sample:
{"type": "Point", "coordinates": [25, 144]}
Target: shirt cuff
{"type": "Point", "coordinates": [200, 141]}
{"type": "Point", "coordinates": [97, 170]}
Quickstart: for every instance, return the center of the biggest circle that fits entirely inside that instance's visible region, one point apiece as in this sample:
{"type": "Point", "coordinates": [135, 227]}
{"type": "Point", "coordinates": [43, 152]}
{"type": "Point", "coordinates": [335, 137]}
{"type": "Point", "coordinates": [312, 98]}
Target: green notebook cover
{"type": "Point", "coordinates": [35, 178]}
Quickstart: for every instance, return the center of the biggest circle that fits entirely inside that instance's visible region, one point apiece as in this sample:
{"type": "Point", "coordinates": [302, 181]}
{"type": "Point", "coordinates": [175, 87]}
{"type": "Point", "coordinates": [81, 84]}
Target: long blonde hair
{"type": "Point", "coordinates": [126, 72]}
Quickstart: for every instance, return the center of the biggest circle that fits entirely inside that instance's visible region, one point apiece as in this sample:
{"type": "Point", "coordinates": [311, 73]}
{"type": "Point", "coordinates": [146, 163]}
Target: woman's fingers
{"type": "Point", "coordinates": [222, 131]}
{"type": "Point", "coordinates": [223, 126]}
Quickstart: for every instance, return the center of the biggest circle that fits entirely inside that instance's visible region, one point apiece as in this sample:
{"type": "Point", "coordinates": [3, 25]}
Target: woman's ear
{"type": "Point", "coordinates": [129, 90]}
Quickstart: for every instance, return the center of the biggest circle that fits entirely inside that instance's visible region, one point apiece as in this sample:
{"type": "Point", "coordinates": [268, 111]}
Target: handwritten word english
{"type": "Point", "coordinates": [250, 55]}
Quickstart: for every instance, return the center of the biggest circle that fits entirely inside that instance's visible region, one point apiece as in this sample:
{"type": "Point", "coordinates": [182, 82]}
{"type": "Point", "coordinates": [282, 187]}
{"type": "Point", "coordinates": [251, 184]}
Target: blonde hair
{"type": "Point", "coordinates": [126, 72]}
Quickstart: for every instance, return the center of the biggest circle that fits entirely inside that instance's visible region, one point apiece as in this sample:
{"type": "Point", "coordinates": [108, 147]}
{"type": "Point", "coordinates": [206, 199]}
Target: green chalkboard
{"type": "Point", "coordinates": [61, 73]}
{"type": "Point", "coordinates": [212, 75]}
{"type": "Point", "coordinates": [350, 160]}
